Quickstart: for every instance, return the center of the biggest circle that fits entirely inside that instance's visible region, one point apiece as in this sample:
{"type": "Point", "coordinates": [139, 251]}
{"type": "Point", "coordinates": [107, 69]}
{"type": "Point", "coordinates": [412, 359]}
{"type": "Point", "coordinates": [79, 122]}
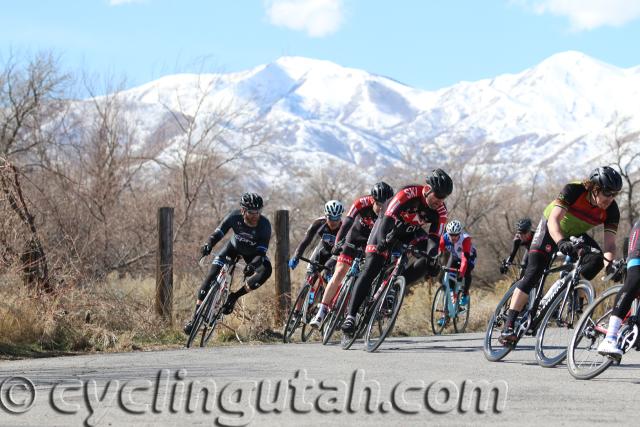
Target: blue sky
{"type": "Point", "coordinates": [427, 44]}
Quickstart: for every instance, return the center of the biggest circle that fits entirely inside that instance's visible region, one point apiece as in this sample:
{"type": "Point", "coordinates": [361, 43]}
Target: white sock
{"type": "Point", "coordinates": [322, 307]}
{"type": "Point", "coordinates": [614, 327]}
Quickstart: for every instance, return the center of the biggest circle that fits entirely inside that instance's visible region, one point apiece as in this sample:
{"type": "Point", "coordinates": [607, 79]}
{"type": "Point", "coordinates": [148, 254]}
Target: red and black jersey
{"type": "Point", "coordinates": [409, 210]}
{"type": "Point", "coordinates": [360, 216]}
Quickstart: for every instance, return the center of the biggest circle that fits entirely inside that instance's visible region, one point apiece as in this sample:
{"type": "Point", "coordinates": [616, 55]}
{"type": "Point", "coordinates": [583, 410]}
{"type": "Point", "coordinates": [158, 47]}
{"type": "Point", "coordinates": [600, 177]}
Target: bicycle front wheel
{"type": "Point", "coordinates": [295, 316]}
{"type": "Point", "coordinates": [557, 327]}
{"type": "Point", "coordinates": [493, 349]}
{"type": "Point", "coordinates": [337, 314]}
{"type": "Point", "coordinates": [215, 316]}
{"type": "Point", "coordinates": [200, 316]}
{"type": "Point", "coordinates": [385, 314]}
{"type": "Point", "coordinates": [439, 317]}
{"type": "Point", "coordinates": [583, 360]}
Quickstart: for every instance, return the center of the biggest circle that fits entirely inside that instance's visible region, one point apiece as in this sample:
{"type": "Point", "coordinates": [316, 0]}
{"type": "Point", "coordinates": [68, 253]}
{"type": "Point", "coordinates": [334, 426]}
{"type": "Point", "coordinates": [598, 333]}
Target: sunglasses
{"type": "Point", "coordinates": [608, 193]}
{"type": "Point", "coordinates": [253, 211]}
{"type": "Point", "coordinates": [334, 218]}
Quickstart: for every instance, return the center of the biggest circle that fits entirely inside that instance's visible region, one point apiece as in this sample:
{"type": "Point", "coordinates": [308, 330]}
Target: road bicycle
{"type": "Point", "coordinates": [377, 314]}
{"type": "Point", "coordinates": [550, 317]}
{"type": "Point", "coordinates": [341, 300]}
{"type": "Point", "coordinates": [306, 303]}
{"type": "Point", "coordinates": [209, 313]}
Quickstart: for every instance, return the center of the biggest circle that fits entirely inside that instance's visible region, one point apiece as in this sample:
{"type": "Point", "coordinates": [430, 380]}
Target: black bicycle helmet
{"type": "Point", "coordinates": [523, 225]}
{"type": "Point", "coordinates": [381, 192]}
{"type": "Point", "coordinates": [251, 201]}
{"type": "Point", "coordinates": [607, 178]}
{"type": "Point", "coordinates": [441, 183]}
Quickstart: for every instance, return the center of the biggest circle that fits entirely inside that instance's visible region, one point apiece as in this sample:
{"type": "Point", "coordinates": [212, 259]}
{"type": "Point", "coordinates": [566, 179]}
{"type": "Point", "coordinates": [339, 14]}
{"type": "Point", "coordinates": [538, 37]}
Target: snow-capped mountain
{"type": "Point", "coordinates": [557, 113]}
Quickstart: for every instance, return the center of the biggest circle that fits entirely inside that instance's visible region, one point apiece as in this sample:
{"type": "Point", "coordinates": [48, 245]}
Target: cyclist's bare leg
{"type": "Point", "coordinates": [334, 284]}
{"type": "Point", "coordinates": [518, 300]}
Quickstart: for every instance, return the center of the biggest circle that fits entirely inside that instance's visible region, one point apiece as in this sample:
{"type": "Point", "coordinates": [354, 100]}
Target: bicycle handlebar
{"type": "Point", "coordinates": [314, 263]}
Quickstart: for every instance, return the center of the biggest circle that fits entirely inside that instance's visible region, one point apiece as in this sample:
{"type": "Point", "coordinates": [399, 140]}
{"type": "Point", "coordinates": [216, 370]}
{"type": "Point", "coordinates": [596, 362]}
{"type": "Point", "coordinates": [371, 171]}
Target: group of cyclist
{"type": "Point", "coordinates": [378, 223]}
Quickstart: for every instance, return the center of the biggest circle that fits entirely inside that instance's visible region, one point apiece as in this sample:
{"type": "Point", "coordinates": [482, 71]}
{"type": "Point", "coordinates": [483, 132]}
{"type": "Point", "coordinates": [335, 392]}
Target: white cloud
{"type": "Point", "coordinates": [588, 14]}
{"type": "Point", "coordinates": [317, 17]}
{"type": "Point", "coordinates": [121, 2]}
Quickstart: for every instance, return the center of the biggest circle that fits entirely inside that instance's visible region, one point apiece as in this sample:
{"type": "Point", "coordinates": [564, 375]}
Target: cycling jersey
{"type": "Point", "coordinates": [520, 239]}
{"type": "Point", "coordinates": [360, 216]}
{"type": "Point", "coordinates": [405, 214]}
{"type": "Point", "coordinates": [318, 227]}
{"type": "Point", "coordinates": [582, 215]}
{"type": "Point", "coordinates": [246, 240]}
{"type": "Point", "coordinates": [463, 251]}
{"type": "Point", "coordinates": [356, 228]}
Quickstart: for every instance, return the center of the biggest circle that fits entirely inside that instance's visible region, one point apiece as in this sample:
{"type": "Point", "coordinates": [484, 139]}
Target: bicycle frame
{"type": "Point", "coordinates": [353, 271]}
{"type": "Point", "coordinates": [535, 312]}
{"type": "Point", "coordinates": [449, 277]}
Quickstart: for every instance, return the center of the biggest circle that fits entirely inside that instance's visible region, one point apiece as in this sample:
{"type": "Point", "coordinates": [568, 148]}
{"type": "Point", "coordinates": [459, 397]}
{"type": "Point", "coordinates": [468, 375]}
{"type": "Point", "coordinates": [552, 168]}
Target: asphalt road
{"type": "Point", "coordinates": [420, 380]}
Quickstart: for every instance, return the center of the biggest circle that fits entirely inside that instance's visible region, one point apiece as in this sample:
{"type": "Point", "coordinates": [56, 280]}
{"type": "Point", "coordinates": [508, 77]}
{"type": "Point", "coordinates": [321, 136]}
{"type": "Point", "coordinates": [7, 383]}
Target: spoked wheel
{"type": "Point", "coordinates": [493, 349]}
{"type": "Point", "coordinates": [295, 316]}
{"type": "Point", "coordinates": [215, 316]}
{"type": "Point", "coordinates": [583, 360]}
{"type": "Point", "coordinates": [557, 327]}
{"type": "Point", "coordinates": [312, 310]}
{"type": "Point", "coordinates": [439, 313]}
{"type": "Point", "coordinates": [336, 315]}
{"type": "Point", "coordinates": [198, 320]}
{"type": "Point", "coordinates": [384, 314]}
{"type": "Point", "coordinates": [462, 317]}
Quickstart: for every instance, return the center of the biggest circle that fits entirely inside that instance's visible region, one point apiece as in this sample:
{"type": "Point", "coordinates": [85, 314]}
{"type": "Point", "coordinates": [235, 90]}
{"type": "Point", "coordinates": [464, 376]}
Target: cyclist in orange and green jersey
{"type": "Point", "coordinates": [579, 207]}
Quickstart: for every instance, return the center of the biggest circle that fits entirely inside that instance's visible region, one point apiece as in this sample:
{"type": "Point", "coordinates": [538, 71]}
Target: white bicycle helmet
{"type": "Point", "coordinates": [333, 210]}
{"type": "Point", "coordinates": [454, 227]}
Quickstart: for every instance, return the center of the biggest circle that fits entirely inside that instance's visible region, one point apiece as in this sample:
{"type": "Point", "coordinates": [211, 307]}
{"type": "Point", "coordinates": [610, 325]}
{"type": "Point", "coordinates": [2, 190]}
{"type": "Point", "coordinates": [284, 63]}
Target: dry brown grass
{"type": "Point", "coordinates": [118, 315]}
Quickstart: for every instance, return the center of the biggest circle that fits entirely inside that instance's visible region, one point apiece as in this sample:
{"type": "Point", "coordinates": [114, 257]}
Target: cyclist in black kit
{"type": "Point", "coordinates": [523, 237]}
{"type": "Point", "coordinates": [404, 216]}
{"type": "Point", "coordinates": [252, 232]}
{"type": "Point", "coordinates": [326, 227]}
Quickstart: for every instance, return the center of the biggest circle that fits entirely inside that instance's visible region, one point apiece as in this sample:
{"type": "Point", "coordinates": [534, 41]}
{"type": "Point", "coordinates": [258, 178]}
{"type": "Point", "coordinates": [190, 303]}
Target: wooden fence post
{"type": "Point", "coordinates": [164, 264]}
{"type": "Point", "coordinates": [282, 278]}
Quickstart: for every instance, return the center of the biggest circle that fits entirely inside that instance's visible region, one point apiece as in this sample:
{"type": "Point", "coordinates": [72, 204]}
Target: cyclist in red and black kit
{"type": "Point", "coordinates": [326, 227]}
{"type": "Point", "coordinates": [579, 207]}
{"type": "Point", "coordinates": [404, 216]}
{"type": "Point", "coordinates": [353, 235]}
{"type": "Point", "coordinates": [523, 237]}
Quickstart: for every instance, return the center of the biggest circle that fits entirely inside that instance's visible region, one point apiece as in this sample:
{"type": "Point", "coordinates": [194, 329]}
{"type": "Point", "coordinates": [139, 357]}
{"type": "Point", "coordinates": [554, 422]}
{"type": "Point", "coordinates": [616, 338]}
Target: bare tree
{"type": "Point", "coordinates": [625, 150]}
{"type": "Point", "coordinates": [30, 94]}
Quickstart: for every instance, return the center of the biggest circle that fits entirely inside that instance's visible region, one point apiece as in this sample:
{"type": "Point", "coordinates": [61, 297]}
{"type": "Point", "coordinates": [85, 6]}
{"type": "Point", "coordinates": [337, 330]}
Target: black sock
{"type": "Point", "coordinates": [511, 317]}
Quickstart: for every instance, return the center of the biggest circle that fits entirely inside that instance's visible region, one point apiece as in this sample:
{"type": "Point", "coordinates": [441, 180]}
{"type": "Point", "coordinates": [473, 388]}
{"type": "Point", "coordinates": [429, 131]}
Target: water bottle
{"type": "Point", "coordinates": [311, 296]}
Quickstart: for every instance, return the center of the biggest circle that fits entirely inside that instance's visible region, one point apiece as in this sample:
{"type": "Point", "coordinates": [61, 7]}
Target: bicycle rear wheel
{"type": "Point", "coordinates": [384, 315]}
{"type": "Point", "coordinates": [556, 329]}
{"type": "Point", "coordinates": [583, 360]}
{"type": "Point", "coordinates": [439, 316]}
{"type": "Point", "coordinates": [461, 319]}
{"type": "Point", "coordinates": [294, 317]}
{"type": "Point", "coordinates": [493, 349]}
{"type": "Point", "coordinates": [337, 314]}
